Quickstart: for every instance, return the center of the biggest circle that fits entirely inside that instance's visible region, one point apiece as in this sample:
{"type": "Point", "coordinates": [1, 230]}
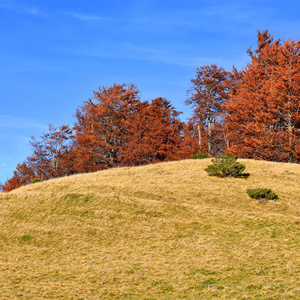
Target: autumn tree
{"type": "Point", "coordinates": [190, 140]}
{"type": "Point", "coordinates": [116, 128]}
{"type": "Point", "coordinates": [51, 157]}
{"type": "Point", "coordinates": [100, 127]}
{"type": "Point", "coordinates": [53, 153]}
{"type": "Point", "coordinates": [250, 122]}
{"type": "Point", "coordinates": [285, 97]}
{"type": "Point", "coordinates": [263, 113]}
{"type": "Point", "coordinates": [210, 88]}
{"type": "Point", "coordinates": [154, 134]}
{"type": "Point", "coordinates": [22, 176]}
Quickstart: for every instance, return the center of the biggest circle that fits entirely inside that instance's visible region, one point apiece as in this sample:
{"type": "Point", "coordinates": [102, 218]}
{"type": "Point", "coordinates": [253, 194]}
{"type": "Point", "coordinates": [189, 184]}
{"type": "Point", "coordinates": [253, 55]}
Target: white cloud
{"type": "Point", "coordinates": [33, 68]}
{"type": "Point", "coordinates": [22, 9]}
{"type": "Point", "coordinates": [85, 17]}
{"type": "Point", "coordinates": [91, 18]}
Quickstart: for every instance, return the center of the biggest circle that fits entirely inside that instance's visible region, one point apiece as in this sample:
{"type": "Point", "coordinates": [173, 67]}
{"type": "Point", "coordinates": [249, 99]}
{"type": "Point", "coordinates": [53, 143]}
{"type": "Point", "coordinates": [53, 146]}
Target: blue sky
{"type": "Point", "coordinates": [54, 53]}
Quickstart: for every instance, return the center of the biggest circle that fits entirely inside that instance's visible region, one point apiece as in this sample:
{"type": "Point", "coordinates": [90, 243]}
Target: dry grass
{"type": "Point", "coordinates": [165, 231]}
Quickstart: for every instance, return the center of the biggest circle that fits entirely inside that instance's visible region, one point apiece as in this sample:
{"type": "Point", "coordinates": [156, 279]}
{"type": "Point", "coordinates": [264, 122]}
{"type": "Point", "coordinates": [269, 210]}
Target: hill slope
{"type": "Point", "coordinates": [164, 231]}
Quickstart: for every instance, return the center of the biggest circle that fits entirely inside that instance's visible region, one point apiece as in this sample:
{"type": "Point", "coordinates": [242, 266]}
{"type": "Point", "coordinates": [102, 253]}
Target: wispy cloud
{"type": "Point", "coordinates": [86, 17]}
{"type": "Point", "coordinates": [140, 53]}
{"type": "Point", "coordinates": [10, 122]}
{"type": "Point", "coordinates": [21, 8]}
{"type": "Point", "coordinates": [33, 69]}
{"type": "Point", "coordinates": [92, 18]}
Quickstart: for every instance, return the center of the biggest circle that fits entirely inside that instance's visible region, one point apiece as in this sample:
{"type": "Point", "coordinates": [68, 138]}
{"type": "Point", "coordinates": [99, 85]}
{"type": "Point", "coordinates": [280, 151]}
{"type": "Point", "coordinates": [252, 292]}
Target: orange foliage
{"type": "Point", "coordinates": [53, 153]}
{"type": "Point", "coordinates": [22, 176]}
{"type": "Point", "coordinates": [116, 129]}
{"type": "Point", "coordinates": [101, 129]}
{"type": "Point", "coordinates": [263, 113]}
{"type": "Point", "coordinates": [154, 134]}
{"type": "Point", "coordinates": [209, 91]}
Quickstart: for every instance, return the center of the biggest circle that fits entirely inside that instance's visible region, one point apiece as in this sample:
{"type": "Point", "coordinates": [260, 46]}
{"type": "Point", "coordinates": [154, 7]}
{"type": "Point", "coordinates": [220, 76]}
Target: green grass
{"type": "Point", "coordinates": [165, 231]}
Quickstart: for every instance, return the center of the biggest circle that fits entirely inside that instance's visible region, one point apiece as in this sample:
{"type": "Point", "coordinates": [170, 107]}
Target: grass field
{"type": "Point", "coordinates": [164, 231]}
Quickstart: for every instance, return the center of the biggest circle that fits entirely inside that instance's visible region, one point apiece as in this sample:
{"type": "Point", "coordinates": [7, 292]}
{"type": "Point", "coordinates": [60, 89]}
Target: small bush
{"type": "Point", "coordinates": [225, 166]}
{"type": "Point", "coordinates": [35, 180]}
{"type": "Point", "coordinates": [261, 193]}
{"type": "Point", "coordinates": [25, 238]}
{"type": "Point", "coordinates": [199, 155]}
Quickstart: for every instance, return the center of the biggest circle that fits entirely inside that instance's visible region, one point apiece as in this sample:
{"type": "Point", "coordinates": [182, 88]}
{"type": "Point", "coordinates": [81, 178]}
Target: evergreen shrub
{"type": "Point", "coordinates": [225, 166]}
{"type": "Point", "coordinates": [35, 180]}
{"type": "Point", "coordinates": [260, 193]}
{"type": "Point", "coordinates": [199, 155]}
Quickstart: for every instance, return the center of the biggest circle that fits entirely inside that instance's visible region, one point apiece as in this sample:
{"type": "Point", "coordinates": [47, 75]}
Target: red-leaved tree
{"type": "Point", "coordinates": [53, 153]}
{"type": "Point", "coordinates": [101, 129]}
{"type": "Point", "coordinates": [209, 91]}
{"type": "Point", "coordinates": [263, 112]}
{"type": "Point", "coordinates": [154, 134]}
{"type": "Point", "coordinates": [22, 176]}
{"type": "Point", "coordinates": [116, 128]}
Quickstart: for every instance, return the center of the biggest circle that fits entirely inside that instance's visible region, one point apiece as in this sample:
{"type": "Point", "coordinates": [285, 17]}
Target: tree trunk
{"type": "Point", "coordinates": [226, 141]}
{"type": "Point", "coordinates": [290, 133]}
{"type": "Point", "coordinates": [199, 135]}
{"type": "Point", "coordinates": [209, 135]}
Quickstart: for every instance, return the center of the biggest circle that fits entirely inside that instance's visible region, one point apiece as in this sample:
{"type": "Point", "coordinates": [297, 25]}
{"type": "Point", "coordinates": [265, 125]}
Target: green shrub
{"type": "Point", "coordinates": [25, 238]}
{"type": "Point", "coordinates": [35, 180]}
{"type": "Point", "coordinates": [261, 193]}
{"type": "Point", "coordinates": [225, 166]}
{"type": "Point", "coordinates": [199, 155]}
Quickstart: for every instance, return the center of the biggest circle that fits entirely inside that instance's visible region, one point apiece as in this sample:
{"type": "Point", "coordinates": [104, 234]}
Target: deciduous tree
{"type": "Point", "coordinates": [209, 90]}
{"type": "Point", "coordinates": [116, 128]}
{"type": "Point", "coordinates": [52, 153]}
{"type": "Point", "coordinates": [101, 129]}
{"type": "Point", "coordinates": [154, 134]}
{"type": "Point", "coordinates": [22, 176]}
{"type": "Point", "coordinates": [263, 112]}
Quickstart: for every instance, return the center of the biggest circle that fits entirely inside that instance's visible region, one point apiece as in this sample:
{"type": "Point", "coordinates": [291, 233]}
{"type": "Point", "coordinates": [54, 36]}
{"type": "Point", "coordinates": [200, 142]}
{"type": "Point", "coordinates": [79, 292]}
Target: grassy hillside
{"type": "Point", "coordinates": [165, 231]}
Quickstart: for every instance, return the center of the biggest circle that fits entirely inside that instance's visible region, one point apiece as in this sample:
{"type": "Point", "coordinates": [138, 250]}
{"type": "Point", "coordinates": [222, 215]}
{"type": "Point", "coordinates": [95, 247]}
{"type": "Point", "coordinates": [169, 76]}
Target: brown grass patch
{"type": "Point", "coordinates": [164, 231]}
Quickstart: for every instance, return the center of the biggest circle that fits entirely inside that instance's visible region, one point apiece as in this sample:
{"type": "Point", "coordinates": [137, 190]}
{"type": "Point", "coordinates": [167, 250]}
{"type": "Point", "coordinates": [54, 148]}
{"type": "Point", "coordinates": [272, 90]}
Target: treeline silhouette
{"type": "Point", "coordinates": [254, 113]}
